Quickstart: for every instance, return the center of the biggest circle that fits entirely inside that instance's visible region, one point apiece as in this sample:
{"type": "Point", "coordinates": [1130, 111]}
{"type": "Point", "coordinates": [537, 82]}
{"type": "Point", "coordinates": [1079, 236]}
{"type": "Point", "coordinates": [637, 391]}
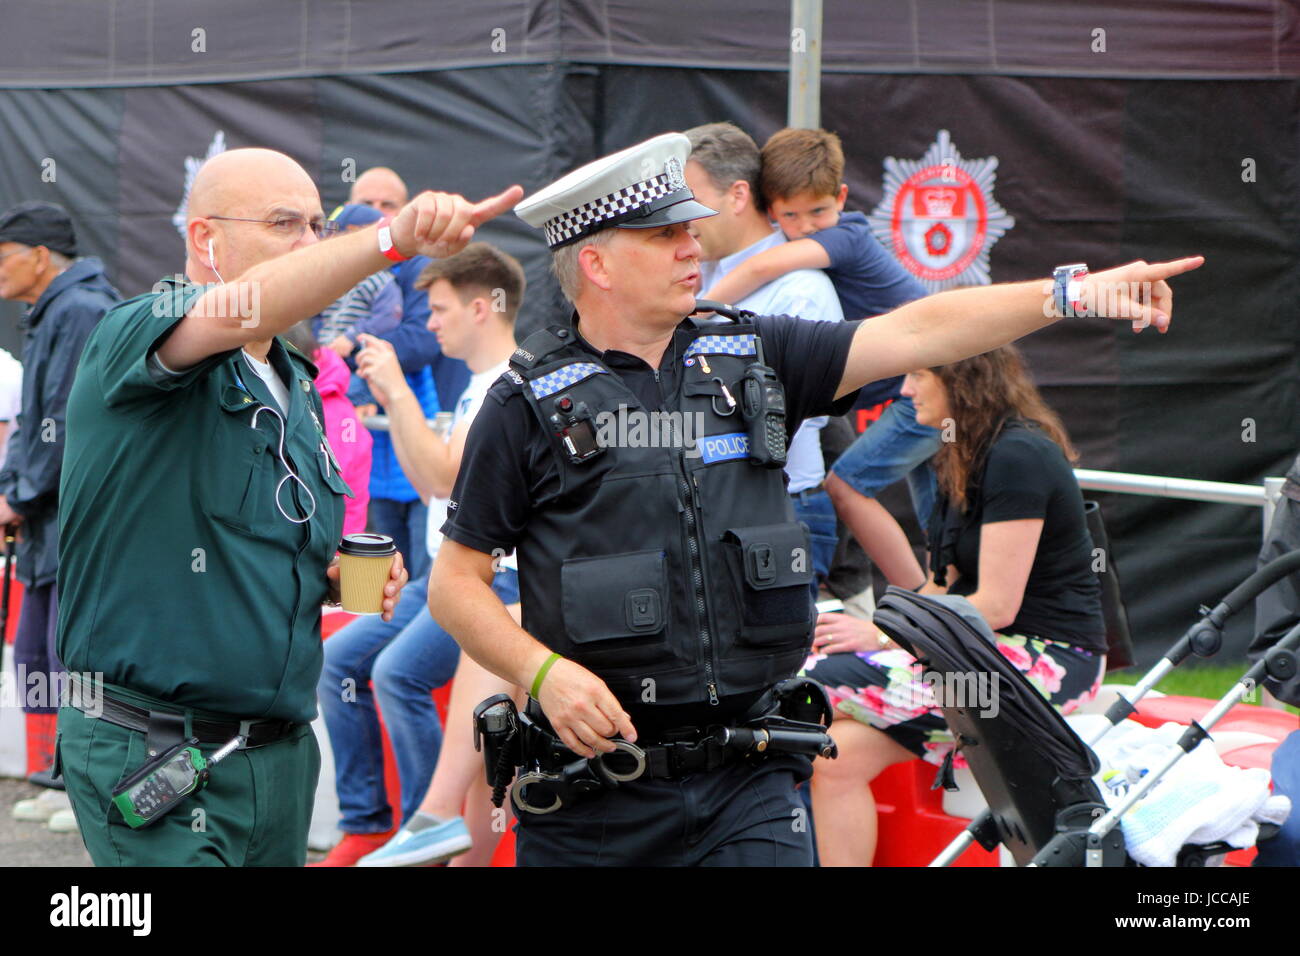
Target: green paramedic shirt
{"type": "Point", "coordinates": [178, 577]}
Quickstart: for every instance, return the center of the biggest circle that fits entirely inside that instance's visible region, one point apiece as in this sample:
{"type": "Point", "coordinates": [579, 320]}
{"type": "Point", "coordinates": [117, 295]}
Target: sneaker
{"type": "Point", "coordinates": [353, 847]}
{"type": "Point", "coordinates": [62, 821]}
{"type": "Point", "coordinates": [432, 845]}
{"type": "Point", "coordinates": [40, 809]}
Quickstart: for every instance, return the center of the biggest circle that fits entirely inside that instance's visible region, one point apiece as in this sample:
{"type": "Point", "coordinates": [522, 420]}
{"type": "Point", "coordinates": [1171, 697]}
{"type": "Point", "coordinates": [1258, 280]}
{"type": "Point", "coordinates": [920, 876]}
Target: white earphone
{"type": "Point", "coordinates": [213, 264]}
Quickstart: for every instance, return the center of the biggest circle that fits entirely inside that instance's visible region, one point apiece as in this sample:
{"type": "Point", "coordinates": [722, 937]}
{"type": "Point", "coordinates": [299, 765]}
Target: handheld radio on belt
{"type": "Point", "coordinates": [161, 784]}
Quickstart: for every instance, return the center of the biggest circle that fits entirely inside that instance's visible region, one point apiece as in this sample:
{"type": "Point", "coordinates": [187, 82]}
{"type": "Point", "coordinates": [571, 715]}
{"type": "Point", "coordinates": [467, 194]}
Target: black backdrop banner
{"type": "Point", "coordinates": [1101, 169]}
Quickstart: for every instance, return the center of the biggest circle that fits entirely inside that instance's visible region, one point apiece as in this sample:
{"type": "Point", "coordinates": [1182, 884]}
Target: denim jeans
{"type": "Point", "coordinates": [814, 508]}
{"type": "Point", "coordinates": [405, 522]}
{"type": "Point", "coordinates": [406, 658]}
{"type": "Point", "coordinates": [892, 447]}
{"type": "Point", "coordinates": [1284, 849]}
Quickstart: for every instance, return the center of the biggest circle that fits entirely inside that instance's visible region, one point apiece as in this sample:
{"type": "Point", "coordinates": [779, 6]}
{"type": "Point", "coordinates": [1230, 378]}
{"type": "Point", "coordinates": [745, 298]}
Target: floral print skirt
{"type": "Point", "coordinates": [886, 689]}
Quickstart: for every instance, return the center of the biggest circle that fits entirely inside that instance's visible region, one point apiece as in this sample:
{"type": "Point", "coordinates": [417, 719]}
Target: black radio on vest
{"type": "Point", "coordinates": [712, 605]}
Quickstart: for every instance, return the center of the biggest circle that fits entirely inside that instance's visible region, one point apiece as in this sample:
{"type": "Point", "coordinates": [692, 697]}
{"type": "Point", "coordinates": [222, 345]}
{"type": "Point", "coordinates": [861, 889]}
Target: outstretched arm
{"type": "Point", "coordinates": [272, 296]}
{"type": "Point", "coordinates": [953, 325]}
{"type": "Point", "coordinates": [757, 271]}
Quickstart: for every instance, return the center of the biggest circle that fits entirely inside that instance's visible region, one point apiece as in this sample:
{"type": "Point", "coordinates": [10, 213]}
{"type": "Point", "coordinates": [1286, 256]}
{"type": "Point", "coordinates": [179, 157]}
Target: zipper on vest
{"type": "Point", "coordinates": [690, 497]}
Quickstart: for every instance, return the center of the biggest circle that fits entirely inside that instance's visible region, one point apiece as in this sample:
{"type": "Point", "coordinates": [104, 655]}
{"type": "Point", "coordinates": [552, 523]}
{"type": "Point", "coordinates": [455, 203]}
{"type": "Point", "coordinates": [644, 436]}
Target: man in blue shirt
{"type": "Point", "coordinates": [802, 184]}
{"type": "Point", "coordinates": [723, 174]}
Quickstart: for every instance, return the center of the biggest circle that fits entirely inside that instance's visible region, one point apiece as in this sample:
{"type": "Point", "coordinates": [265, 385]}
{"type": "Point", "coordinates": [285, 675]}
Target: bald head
{"type": "Point", "coordinates": [381, 188]}
{"type": "Point", "coordinates": [229, 181]}
{"type": "Point", "coordinates": [246, 184]}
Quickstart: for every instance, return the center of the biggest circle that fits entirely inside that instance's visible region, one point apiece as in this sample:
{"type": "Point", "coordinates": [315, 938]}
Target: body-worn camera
{"type": "Point", "coordinates": [576, 427]}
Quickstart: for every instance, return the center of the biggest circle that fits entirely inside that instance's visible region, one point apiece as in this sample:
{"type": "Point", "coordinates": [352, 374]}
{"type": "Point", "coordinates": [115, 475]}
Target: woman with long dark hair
{"type": "Point", "coordinates": [1009, 534]}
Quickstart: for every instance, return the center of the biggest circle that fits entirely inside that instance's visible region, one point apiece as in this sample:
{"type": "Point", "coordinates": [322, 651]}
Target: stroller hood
{"type": "Point", "coordinates": [936, 632]}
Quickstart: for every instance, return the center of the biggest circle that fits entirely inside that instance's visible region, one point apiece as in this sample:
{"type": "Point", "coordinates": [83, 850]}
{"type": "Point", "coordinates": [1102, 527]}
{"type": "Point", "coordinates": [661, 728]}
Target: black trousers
{"type": "Point", "coordinates": [740, 815]}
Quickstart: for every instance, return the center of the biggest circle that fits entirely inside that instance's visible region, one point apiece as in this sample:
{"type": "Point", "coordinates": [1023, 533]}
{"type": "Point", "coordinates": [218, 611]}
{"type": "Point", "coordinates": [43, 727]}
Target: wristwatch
{"type": "Point", "coordinates": [386, 241]}
{"type": "Point", "coordinates": [1067, 289]}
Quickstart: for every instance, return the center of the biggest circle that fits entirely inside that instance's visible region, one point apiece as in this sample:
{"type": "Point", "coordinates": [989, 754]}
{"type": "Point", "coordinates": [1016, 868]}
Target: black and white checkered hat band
{"type": "Point", "coordinates": [619, 205]}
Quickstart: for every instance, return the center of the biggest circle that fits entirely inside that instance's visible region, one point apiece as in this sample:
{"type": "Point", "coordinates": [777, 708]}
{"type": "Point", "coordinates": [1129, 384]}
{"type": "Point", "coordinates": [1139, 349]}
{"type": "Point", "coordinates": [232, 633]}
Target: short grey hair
{"type": "Point", "coordinates": [564, 262]}
{"type": "Point", "coordinates": [727, 153]}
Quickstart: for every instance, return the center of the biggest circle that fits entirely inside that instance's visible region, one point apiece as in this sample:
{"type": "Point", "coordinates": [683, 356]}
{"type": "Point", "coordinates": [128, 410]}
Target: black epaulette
{"type": "Point", "coordinates": [508, 383]}
{"type": "Point", "coordinates": [535, 349]}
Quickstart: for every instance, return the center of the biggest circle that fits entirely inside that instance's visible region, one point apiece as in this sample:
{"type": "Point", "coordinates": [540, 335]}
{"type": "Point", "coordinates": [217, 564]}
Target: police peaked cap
{"type": "Point", "coordinates": [641, 187]}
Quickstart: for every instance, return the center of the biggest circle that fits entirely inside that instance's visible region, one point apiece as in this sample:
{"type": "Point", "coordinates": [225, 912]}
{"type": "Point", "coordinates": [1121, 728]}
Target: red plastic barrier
{"type": "Point", "coordinates": [1244, 717]}
{"type": "Point", "coordinates": [913, 828]}
{"type": "Point", "coordinates": [15, 605]}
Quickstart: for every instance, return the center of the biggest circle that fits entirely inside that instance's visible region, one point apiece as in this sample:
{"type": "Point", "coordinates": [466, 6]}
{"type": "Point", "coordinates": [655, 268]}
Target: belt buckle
{"type": "Point", "coordinates": [679, 753]}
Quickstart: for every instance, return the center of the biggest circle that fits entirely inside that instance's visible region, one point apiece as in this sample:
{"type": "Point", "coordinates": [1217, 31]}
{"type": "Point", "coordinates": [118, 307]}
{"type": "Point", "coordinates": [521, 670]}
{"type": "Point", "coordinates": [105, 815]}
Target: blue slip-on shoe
{"type": "Point", "coordinates": [432, 845]}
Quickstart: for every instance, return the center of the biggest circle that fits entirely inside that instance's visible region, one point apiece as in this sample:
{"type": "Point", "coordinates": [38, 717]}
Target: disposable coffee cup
{"type": "Point", "coordinates": [365, 566]}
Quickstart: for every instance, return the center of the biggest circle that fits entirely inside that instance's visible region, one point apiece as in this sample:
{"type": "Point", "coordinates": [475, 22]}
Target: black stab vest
{"type": "Point", "coordinates": [678, 575]}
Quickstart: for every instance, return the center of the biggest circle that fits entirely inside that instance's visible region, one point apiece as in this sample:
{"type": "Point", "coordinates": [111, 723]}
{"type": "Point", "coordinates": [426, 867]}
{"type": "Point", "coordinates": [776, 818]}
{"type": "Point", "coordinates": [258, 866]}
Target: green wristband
{"type": "Point", "coordinates": [541, 674]}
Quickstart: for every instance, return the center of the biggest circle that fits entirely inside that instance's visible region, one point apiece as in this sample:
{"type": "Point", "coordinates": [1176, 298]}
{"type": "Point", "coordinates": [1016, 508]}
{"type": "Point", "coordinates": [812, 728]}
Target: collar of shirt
{"type": "Point", "coordinates": [805, 293]}
{"type": "Point", "coordinates": [636, 372]}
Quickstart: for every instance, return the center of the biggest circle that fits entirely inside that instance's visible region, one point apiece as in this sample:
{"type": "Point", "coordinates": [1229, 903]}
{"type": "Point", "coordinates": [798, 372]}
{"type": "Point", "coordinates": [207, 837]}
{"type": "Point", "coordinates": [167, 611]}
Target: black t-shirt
{"type": "Point", "coordinates": [1027, 476]}
{"type": "Point", "coordinates": [509, 471]}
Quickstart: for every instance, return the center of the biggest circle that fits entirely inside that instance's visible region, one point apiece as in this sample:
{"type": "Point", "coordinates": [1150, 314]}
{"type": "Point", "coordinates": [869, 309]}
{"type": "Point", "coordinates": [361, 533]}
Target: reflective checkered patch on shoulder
{"type": "Point", "coordinates": [562, 378]}
{"type": "Point", "coordinates": [722, 345]}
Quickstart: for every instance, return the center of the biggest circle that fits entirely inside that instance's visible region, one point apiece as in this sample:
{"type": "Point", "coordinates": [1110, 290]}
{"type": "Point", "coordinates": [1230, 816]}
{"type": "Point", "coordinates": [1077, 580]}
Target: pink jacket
{"type": "Point", "coordinates": [347, 437]}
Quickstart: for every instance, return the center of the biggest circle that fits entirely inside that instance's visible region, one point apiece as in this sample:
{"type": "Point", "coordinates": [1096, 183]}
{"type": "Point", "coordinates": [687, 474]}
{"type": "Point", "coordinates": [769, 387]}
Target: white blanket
{"type": "Point", "coordinates": [1201, 800]}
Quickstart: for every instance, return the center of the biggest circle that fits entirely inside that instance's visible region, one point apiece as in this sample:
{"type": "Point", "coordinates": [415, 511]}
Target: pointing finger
{"type": "Point", "coordinates": [1167, 270]}
{"type": "Point", "coordinates": [495, 205]}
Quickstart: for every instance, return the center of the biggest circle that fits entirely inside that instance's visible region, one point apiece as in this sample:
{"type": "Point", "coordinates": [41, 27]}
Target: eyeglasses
{"type": "Point", "coordinates": [291, 227]}
{"type": "Point", "coordinates": [14, 252]}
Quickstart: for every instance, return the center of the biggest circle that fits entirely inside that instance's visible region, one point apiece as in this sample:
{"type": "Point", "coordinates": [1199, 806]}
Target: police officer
{"type": "Point", "coordinates": [664, 583]}
{"type": "Point", "coordinates": [201, 510]}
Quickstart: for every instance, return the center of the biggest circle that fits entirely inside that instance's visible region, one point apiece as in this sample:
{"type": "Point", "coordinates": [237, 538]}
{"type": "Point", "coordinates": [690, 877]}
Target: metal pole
{"type": "Point", "coordinates": [1188, 489]}
{"type": "Point", "coordinates": [1272, 491]}
{"type": "Point", "coordinates": [804, 108]}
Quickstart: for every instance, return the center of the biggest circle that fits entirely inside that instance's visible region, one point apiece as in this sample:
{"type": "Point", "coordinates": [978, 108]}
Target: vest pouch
{"type": "Point", "coordinates": [616, 608]}
{"type": "Point", "coordinates": [771, 571]}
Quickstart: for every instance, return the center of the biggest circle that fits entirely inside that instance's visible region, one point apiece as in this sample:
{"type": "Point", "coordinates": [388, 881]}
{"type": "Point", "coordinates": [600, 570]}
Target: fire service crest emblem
{"type": "Point", "coordinates": [938, 215]}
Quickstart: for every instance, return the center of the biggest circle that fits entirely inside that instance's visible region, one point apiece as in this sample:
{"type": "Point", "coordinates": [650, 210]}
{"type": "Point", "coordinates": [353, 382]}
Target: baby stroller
{"type": "Point", "coordinates": [1032, 768]}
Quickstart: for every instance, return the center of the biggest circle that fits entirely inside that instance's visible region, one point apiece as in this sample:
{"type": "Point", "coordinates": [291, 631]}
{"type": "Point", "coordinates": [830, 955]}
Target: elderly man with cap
{"type": "Point", "coordinates": [201, 511]}
{"type": "Point", "coordinates": [66, 298]}
{"type": "Point", "coordinates": [664, 581]}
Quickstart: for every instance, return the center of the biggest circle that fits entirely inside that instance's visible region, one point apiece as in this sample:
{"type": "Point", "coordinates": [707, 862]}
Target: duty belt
{"type": "Point", "coordinates": [258, 733]}
{"type": "Point", "coordinates": [554, 776]}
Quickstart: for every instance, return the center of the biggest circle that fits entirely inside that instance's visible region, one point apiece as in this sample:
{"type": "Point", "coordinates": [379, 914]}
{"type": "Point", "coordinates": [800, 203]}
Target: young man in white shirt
{"type": "Point", "coordinates": [474, 297]}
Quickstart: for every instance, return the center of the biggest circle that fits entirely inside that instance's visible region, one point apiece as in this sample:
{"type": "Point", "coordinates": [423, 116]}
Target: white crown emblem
{"type": "Point", "coordinates": [939, 203]}
{"type": "Point", "coordinates": [673, 170]}
{"type": "Point", "coordinates": [938, 215]}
